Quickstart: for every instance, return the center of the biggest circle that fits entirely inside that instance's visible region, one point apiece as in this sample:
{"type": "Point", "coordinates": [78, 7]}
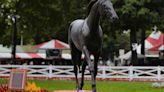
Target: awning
{"type": "Point", "coordinates": [24, 55]}
{"type": "Point", "coordinates": [34, 56]}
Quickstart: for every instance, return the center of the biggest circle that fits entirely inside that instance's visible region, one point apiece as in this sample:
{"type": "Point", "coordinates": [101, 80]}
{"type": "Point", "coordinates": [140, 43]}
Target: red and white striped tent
{"type": "Point", "coordinates": [153, 44]}
{"type": "Point", "coordinates": [52, 44]}
{"type": "Point", "coordinates": [32, 56]}
{"type": "Point", "coordinates": [155, 41]}
{"type": "Point", "coordinates": [24, 55]}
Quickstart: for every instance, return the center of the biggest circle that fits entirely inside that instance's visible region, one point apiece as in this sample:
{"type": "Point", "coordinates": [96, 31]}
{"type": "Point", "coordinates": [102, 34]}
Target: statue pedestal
{"type": "Point", "coordinates": [72, 91]}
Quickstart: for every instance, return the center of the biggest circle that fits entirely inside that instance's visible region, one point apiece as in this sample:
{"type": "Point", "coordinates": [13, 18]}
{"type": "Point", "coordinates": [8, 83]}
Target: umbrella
{"type": "Point", "coordinates": [52, 44]}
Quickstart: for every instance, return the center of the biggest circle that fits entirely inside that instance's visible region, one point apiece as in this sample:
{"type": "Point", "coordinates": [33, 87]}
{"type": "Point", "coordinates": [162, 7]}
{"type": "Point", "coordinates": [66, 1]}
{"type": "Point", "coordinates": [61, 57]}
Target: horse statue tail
{"type": "Point", "coordinates": [69, 34]}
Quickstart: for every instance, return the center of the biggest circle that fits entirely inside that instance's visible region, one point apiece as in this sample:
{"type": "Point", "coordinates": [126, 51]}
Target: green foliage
{"type": "Point", "coordinates": [42, 20]}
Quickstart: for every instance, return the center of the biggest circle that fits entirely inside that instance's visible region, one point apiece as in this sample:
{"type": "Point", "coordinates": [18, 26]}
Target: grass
{"type": "Point", "coordinates": [102, 86]}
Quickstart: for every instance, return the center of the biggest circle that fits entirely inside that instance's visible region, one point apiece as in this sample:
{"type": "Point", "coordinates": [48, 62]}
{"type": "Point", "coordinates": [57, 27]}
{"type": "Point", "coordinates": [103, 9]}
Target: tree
{"type": "Point", "coordinates": [42, 20]}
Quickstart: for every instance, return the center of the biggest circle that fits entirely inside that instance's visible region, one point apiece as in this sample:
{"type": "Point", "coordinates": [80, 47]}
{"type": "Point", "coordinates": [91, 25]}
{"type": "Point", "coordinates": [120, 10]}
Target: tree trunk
{"type": "Point", "coordinates": [133, 43]}
{"type": "Point", "coordinates": [14, 41]}
{"type": "Point", "coordinates": [143, 42]}
{"type": "Point", "coordinates": [142, 46]}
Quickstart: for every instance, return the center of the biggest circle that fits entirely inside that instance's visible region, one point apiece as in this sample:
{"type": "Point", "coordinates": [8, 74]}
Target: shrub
{"type": "Point", "coordinates": [3, 88]}
{"type": "Point", "coordinates": [30, 87]}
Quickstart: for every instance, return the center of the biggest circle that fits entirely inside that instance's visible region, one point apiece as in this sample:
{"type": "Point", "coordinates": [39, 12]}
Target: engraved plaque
{"type": "Point", "coordinates": [17, 79]}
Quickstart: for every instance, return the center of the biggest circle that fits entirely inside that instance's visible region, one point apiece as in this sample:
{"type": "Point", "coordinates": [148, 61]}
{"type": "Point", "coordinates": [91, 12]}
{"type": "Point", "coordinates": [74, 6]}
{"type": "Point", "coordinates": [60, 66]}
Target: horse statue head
{"type": "Point", "coordinates": [106, 9]}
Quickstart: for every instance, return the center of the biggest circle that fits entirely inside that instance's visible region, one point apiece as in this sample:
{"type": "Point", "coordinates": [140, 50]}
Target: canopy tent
{"type": "Point", "coordinates": [68, 56]}
{"type": "Point", "coordinates": [153, 44]}
{"type": "Point", "coordinates": [52, 44]}
{"type": "Point", "coordinates": [155, 41]}
{"type": "Point", "coordinates": [24, 55]}
{"type": "Point", "coordinates": [65, 56]}
{"type": "Point", "coordinates": [5, 53]}
{"type": "Point", "coordinates": [127, 56]}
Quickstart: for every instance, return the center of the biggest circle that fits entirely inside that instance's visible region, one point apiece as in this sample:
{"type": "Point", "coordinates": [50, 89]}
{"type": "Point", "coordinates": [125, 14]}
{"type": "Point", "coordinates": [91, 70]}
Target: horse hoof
{"type": "Point", "coordinates": [94, 90]}
{"type": "Point", "coordinates": [91, 68]}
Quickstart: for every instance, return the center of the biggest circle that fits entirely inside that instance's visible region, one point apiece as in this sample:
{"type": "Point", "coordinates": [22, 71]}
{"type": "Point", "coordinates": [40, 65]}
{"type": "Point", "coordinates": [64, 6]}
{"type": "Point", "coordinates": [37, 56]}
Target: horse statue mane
{"type": "Point", "coordinates": [91, 3]}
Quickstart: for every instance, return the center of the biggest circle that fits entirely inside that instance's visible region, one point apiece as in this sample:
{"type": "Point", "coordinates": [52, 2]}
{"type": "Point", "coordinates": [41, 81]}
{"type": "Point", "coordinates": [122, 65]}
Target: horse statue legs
{"type": "Point", "coordinates": [92, 65]}
{"type": "Point", "coordinates": [76, 57]}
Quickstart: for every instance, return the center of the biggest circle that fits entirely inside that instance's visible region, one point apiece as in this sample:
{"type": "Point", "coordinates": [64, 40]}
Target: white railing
{"type": "Point", "coordinates": [104, 72]}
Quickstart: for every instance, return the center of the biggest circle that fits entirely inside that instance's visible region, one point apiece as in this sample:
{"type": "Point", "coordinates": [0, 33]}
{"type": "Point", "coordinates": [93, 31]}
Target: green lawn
{"type": "Point", "coordinates": [102, 86]}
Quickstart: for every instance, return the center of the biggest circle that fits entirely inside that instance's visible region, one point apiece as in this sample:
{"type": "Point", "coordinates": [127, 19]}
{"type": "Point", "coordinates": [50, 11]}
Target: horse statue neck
{"type": "Point", "coordinates": [93, 17]}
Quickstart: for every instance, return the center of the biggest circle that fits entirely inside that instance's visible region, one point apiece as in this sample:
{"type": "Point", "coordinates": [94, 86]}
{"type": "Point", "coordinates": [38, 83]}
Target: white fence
{"type": "Point", "coordinates": [104, 72]}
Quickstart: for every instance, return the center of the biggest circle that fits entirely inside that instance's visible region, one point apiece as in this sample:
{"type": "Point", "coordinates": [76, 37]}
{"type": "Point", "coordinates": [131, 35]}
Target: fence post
{"type": "Point", "coordinates": [159, 73]}
{"type": "Point", "coordinates": [50, 71]}
{"type": "Point", "coordinates": [104, 72]}
{"type": "Point", "coordinates": [130, 73]}
{"type": "Point", "coordinates": [24, 67]}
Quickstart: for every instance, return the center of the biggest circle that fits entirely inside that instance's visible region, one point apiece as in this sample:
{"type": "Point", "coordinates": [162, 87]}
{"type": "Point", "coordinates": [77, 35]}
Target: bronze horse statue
{"type": "Point", "coordinates": [85, 36]}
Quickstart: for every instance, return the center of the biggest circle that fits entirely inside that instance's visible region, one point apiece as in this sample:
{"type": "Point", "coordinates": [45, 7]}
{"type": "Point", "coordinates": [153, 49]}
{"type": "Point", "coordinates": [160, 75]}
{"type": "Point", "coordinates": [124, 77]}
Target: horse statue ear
{"type": "Point", "coordinates": [91, 3]}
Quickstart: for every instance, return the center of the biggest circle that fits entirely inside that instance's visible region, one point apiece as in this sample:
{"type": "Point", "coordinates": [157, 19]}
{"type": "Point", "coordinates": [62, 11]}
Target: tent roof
{"type": "Point", "coordinates": [155, 41]}
{"type": "Point", "coordinates": [52, 44]}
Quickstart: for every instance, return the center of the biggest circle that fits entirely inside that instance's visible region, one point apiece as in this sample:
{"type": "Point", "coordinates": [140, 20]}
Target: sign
{"type": "Point", "coordinates": [53, 53]}
{"type": "Point", "coordinates": [17, 79]}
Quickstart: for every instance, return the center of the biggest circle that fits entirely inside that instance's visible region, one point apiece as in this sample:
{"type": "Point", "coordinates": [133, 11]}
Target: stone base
{"type": "Point", "coordinates": [72, 91]}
